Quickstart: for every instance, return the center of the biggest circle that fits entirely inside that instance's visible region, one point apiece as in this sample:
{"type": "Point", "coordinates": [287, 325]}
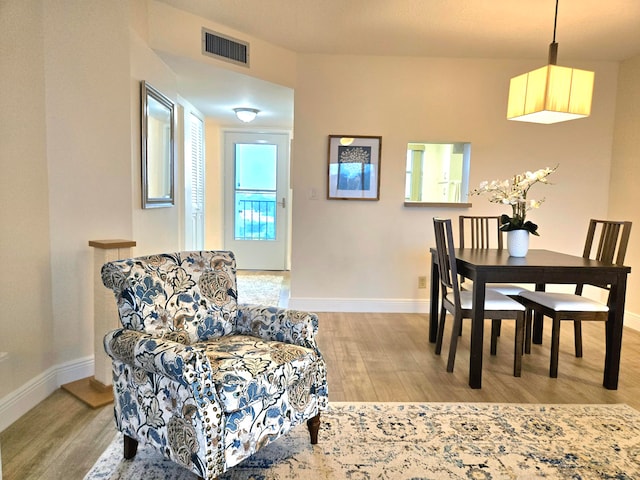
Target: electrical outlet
{"type": "Point", "coordinates": [422, 282]}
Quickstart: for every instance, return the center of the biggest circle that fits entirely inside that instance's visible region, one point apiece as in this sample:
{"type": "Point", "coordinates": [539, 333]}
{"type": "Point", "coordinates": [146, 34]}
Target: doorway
{"type": "Point", "coordinates": [256, 196]}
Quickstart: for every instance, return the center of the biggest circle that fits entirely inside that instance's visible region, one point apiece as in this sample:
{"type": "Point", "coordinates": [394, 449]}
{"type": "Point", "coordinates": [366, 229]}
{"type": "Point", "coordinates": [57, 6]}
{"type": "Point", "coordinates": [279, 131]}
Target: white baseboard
{"type": "Point", "coordinates": [391, 305]}
{"type": "Point", "coordinates": [632, 320]}
{"type": "Point", "coordinates": [372, 305]}
{"type": "Point", "coordinates": [20, 401]}
{"type": "Point", "coordinates": [75, 370]}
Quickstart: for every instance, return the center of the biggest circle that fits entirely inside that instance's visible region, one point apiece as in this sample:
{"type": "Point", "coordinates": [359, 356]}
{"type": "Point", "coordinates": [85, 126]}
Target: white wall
{"type": "Point", "coordinates": [625, 176]}
{"type": "Point", "coordinates": [367, 255]}
{"type": "Point", "coordinates": [26, 316]}
{"type": "Point", "coordinates": [66, 153]}
{"type": "Point", "coordinates": [155, 229]}
{"type": "Point", "coordinates": [71, 155]}
{"type": "Point", "coordinates": [214, 193]}
{"type": "Point", "coordinates": [88, 153]}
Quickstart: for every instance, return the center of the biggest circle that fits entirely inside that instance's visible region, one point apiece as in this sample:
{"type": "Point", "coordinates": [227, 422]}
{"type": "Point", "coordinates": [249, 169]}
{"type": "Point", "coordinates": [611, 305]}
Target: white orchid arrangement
{"type": "Point", "coordinates": [514, 192]}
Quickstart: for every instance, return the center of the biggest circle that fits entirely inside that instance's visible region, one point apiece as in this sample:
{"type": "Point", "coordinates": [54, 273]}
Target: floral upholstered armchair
{"type": "Point", "coordinates": [204, 380]}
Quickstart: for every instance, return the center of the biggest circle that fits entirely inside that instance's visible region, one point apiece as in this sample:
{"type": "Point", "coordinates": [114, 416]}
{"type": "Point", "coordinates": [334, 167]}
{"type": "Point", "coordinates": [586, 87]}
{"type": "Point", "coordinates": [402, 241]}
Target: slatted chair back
{"type": "Point", "coordinates": [613, 239]}
{"type": "Point", "coordinates": [446, 258]}
{"type": "Point", "coordinates": [606, 242]}
{"type": "Point", "coordinates": [480, 232]}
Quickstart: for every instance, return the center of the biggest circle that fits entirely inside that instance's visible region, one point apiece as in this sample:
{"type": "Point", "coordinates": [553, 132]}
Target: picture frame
{"type": "Point", "coordinates": [354, 167]}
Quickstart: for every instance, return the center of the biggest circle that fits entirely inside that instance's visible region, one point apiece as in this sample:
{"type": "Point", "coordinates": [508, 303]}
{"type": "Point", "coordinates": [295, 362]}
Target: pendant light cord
{"type": "Point", "coordinates": [555, 22]}
{"type": "Point", "coordinates": [553, 48]}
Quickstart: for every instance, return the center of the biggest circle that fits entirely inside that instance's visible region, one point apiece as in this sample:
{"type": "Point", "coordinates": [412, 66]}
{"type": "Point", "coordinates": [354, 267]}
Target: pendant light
{"type": "Point", "coordinates": [551, 94]}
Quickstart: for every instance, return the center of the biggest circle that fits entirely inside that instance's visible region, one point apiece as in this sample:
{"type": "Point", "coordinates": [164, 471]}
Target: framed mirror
{"type": "Point", "coordinates": [157, 148]}
{"type": "Point", "coordinates": [437, 173]}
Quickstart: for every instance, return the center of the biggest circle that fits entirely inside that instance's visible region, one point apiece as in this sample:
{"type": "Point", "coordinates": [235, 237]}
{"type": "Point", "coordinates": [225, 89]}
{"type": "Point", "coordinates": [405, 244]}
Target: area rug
{"type": "Point", "coordinates": [362, 441]}
{"type": "Point", "coordinates": [259, 289]}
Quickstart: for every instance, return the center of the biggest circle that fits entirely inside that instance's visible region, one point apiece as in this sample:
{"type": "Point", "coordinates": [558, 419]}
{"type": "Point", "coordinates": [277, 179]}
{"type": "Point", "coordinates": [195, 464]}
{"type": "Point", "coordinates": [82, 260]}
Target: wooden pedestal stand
{"type": "Point", "coordinates": [97, 391]}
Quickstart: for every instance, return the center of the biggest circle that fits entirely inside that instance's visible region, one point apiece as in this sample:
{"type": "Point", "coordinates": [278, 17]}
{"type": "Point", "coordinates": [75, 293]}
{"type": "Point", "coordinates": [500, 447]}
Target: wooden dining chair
{"type": "Point", "coordinates": [610, 247]}
{"type": "Point", "coordinates": [484, 232]}
{"type": "Point", "coordinates": [460, 303]}
{"type": "Point", "coordinates": [480, 232]}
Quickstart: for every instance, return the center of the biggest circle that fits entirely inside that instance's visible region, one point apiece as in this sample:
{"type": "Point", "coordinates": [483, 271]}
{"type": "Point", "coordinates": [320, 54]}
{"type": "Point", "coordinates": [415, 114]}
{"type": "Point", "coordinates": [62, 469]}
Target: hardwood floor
{"type": "Point", "coordinates": [387, 357]}
{"type": "Point", "coordinates": [60, 438]}
{"type": "Point", "coordinates": [370, 357]}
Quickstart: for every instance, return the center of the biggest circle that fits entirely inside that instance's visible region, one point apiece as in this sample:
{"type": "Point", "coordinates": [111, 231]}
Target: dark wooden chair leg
{"type": "Point", "coordinates": [555, 348]}
{"type": "Point", "coordinates": [130, 447]}
{"type": "Point", "coordinates": [528, 326]}
{"type": "Point", "coordinates": [457, 326]}
{"type": "Point", "coordinates": [440, 333]}
{"type": "Point", "coordinates": [577, 337]}
{"type": "Point", "coordinates": [519, 347]}
{"type": "Point", "coordinates": [313, 424]}
{"type": "Point", "coordinates": [495, 333]}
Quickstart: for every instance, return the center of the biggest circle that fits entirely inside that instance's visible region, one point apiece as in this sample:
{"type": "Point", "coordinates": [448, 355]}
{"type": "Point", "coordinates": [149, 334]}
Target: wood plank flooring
{"type": "Point", "coordinates": [370, 357]}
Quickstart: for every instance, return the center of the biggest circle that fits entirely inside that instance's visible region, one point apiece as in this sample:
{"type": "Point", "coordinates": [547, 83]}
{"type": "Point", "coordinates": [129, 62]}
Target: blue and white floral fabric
{"type": "Point", "coordinates": [202, 379]}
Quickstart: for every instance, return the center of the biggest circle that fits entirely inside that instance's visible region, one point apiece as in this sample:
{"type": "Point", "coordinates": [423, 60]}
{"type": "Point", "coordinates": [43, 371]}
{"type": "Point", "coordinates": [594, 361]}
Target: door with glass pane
{"type": "Point", "coordinates": [256, 199]}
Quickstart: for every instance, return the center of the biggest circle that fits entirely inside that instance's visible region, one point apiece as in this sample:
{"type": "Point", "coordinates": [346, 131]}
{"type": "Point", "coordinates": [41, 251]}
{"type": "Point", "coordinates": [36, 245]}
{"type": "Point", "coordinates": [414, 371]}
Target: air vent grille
{"type": "Point", "coordinates": [225, 48]}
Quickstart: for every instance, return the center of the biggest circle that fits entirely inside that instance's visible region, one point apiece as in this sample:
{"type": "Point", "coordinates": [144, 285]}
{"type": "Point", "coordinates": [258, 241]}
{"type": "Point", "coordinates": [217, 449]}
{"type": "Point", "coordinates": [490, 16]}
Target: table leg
{"type": "Point", "coordinates": [614, 332]}
{"type": "Point", "coordinates": [477, 333]}
{"type": "Point", "coordinates": [434, 301]}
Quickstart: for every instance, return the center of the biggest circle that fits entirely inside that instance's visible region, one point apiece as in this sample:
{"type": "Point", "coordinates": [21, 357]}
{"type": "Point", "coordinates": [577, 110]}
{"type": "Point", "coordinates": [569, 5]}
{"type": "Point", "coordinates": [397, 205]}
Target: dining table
{"type": "Point", "coordinates": [540, 268]}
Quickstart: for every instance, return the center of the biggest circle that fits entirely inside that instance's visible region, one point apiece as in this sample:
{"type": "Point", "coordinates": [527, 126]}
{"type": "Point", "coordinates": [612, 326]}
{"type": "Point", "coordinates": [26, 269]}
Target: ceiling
{"type": "Point", "coordinates": [600, 30]}
{"type": "Point", "coordinates": [216, 92]}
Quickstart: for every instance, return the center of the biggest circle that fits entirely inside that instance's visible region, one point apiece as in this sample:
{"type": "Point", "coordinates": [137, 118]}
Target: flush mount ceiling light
{"type": "Point", "coordinates": [551, 94]}
{"type": "Point", "coordinates": [246, 114]}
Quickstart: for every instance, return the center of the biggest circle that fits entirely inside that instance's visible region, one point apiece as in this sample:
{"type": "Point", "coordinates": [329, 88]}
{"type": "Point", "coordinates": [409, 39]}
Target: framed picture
{"type": "Point", "coordinates": [354, 168]}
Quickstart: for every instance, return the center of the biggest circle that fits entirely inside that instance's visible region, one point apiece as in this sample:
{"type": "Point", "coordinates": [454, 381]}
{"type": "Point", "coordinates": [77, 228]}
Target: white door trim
{"type": "Point", "coordinates": [251, 254]}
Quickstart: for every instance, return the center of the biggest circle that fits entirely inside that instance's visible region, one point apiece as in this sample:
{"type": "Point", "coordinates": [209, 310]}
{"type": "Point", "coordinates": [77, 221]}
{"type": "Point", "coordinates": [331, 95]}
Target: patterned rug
{"type": "Point", "coordinates": [362, 441]}
{"type": "Point", "coordinates": [259, 289]}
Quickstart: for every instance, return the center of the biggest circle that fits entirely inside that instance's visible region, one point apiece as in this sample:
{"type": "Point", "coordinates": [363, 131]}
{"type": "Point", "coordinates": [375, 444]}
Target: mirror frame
{"type": "Point", "coordinates": [464, 185]}
{"type": "Point", "coordinates": [148, 92]}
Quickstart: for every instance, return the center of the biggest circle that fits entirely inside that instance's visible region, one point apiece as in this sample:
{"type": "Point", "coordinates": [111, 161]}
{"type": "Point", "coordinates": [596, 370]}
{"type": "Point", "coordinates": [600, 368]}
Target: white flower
{"type": "Point", "coordinates": [514, 192]}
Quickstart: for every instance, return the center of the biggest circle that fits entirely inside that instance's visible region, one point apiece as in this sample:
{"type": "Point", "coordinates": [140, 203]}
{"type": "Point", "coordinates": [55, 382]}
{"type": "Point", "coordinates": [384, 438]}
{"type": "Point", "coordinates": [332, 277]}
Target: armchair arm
{"type": "Point", "coordinates": [183, 363]}
{"type": "Point", "coordinates": [283, 325]}
{"type": "Point", "coordinates": [165, 397]}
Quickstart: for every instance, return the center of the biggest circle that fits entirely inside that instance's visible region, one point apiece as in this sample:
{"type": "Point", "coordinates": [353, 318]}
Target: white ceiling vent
{"type": "Point", "coordinates": [225, 48]}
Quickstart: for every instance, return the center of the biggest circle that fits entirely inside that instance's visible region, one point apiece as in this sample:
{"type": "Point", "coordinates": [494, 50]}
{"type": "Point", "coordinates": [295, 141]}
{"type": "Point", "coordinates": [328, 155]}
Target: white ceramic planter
{"type": "Point", "coordinates": [518, 243]}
